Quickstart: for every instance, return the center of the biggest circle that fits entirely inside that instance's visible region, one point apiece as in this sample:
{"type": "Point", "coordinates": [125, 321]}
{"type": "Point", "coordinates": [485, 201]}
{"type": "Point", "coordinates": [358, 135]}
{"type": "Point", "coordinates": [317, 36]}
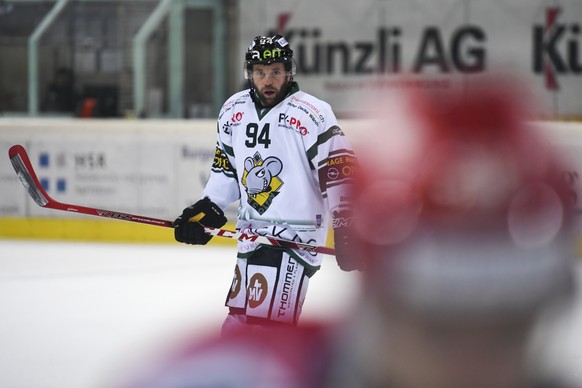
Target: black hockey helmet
{"type": "Point", "coordinates": [266, 50]}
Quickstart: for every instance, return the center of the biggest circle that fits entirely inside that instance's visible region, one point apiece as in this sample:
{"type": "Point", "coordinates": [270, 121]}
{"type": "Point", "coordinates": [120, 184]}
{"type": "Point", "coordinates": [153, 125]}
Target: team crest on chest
{"type": "Point", "coordinates": [261, 181]}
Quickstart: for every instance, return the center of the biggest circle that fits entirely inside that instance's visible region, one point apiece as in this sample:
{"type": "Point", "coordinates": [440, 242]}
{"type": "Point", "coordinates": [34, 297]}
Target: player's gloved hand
{"type": "Point", "coordinates": [205, 213]}
{"type": "Point", "coordinates": [345, 256]}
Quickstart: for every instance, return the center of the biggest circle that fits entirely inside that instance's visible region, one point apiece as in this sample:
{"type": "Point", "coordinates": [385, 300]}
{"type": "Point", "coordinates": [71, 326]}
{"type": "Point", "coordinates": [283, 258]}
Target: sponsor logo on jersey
{"type": "Point", "coordinates": [226, 106]}
{"type": "Point", "coordinates": [333, 173]}
{"type": "Point", "coordinates": [233, 122]}
{"type": "Point", "coordinates": [313, 112]}
{"type": "Point", "coordinates": [261, 181]}
{"type": "Point", "coordinates": [257, 290]}
{"type": "Point", "coordinates": [340, 167]}
{"type": "Point", "coordinates": [236, 117]}
{"type": "Point", "coordinates": [308, 113]}
{"type": "Point", "coordinates": [236, 284]}
{"type": "Point", "coordinates": [337, 169]}
{"type": "Point", "coordinates": [306, 103]}
{"type": "Point", "coordinates": [292, 123]}
{"type": "Point", "coordinates": [230, 104]}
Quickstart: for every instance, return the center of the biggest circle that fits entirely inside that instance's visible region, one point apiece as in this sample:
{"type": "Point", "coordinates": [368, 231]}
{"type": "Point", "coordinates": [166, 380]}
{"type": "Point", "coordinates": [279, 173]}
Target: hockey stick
{"type": "Point", "coordinates": [24, 170]}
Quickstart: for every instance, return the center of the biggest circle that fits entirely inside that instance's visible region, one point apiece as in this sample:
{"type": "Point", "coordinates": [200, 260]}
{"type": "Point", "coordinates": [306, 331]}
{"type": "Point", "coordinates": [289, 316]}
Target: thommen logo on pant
{"type": "Point", "coordinates": [287, 290]}
{"type": "Point", "coordinates": [257, 290]}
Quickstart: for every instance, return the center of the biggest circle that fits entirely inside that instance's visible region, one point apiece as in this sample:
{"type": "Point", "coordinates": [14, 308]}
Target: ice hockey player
{"type": "Point", "coordinates": [466, 229]}
{"type": "Point", "coordinates": [281, 153]}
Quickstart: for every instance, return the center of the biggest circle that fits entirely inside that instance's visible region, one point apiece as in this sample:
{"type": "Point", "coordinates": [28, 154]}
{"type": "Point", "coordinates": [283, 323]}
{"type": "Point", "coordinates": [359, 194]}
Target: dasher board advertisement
{"type": "Point", "coordinates": [345, 48]}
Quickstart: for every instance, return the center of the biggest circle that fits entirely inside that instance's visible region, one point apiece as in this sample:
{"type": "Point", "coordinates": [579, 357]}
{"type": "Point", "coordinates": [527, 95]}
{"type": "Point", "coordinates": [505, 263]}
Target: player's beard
{"type": "Point", "coordinates": [276, 95]}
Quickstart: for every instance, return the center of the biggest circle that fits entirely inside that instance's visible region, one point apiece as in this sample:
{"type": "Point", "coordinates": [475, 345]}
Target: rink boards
{"type": "Point", "coordinates": [153, 168]}
{"type": "Point", "coordinates": [150, 168]}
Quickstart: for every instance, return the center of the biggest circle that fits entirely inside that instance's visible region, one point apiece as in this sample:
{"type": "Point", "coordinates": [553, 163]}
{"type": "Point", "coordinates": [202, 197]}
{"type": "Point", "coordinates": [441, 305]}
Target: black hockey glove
{"type": "Point", "coordinates": [206, 213]}
{"type": "Point", "coordinates": [346, 258]}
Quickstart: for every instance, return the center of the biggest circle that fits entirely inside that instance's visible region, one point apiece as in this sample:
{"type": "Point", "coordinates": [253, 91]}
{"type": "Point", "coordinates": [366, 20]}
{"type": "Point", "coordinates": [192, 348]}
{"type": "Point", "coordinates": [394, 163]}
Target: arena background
{"type": "Point", "coordinates": [116, 103]}
{"type": "Point", "coordinates": [116, 100]}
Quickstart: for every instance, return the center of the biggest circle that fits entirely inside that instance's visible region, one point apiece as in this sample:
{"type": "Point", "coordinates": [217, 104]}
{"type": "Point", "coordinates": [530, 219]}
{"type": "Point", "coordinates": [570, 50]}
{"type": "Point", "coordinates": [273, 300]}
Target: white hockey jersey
{"type": "Point", "coordinates": [287, 164]}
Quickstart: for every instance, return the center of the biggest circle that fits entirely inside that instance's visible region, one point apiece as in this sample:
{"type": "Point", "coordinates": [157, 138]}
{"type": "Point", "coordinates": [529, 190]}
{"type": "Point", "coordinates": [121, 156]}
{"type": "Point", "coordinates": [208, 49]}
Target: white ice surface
{"type": "Point", "coordinates": [75, 315]}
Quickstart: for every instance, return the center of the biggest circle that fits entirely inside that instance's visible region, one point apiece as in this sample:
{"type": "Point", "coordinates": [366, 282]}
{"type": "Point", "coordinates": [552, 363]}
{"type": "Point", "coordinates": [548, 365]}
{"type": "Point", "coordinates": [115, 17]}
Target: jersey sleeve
{"type": "Point", "coordinates": [222, 187]}
{"type": "Point", "coordinates": [335, 162]}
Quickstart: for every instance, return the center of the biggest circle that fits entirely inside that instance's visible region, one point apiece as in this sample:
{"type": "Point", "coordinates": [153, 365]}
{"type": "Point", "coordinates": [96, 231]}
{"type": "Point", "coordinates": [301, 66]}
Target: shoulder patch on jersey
{"type": "Point", "coordinates": [337, 169]}
{"type": "Point", "coordinates": [261, 181]}
{"type": "Point", "coordinates": [221, 164]}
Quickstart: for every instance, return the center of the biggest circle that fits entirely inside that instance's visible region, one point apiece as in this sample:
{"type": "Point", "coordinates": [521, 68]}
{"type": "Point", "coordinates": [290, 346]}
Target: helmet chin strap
{"type": "Point", "coordinates": [254, 93]}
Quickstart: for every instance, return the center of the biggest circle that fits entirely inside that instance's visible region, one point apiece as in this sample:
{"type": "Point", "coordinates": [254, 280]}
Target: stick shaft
{"type": "Point", "coordinates": [26, 174]}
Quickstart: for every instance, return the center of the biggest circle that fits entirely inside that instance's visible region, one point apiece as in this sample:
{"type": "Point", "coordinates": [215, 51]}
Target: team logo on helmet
{"type": "Point", "coordinates": [266, 54]}
{"type": "Point", "coordinates": [267, 50]}
{"type": "Point", "coordinates": [261, 181]}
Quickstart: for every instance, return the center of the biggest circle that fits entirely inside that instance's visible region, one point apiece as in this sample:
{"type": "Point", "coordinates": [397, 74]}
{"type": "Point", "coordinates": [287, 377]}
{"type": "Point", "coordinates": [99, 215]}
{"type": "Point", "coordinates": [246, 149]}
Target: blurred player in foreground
{"type": "Point", "coordinates": [281, 153]}
{"type": "Point", "coordinates": [464, 219]}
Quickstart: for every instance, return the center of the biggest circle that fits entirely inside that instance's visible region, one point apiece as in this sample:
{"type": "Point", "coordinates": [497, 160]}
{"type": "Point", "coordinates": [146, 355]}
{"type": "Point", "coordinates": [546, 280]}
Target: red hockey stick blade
{"type": "Point", "coordinates": [25, 172]}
